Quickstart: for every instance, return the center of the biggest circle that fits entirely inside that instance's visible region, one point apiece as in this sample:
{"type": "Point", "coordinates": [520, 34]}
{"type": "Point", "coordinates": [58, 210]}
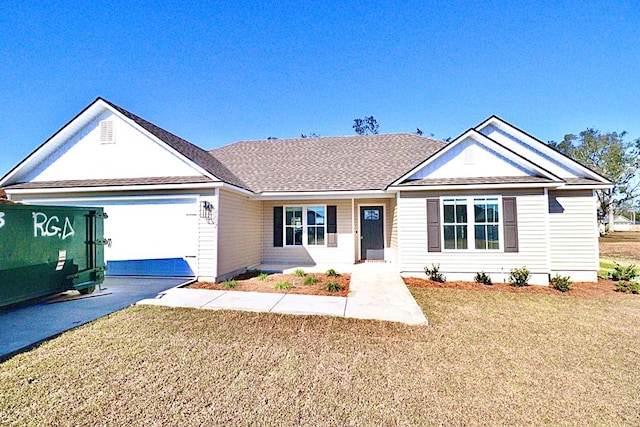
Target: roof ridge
{"type": "Point", "coordinates": [325, 138]}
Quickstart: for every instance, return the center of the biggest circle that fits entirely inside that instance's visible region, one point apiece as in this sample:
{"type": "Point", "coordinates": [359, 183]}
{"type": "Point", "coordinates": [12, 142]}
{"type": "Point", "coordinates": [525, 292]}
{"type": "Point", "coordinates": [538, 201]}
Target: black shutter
{"type": "Point", "coordinates": [433, 225]}
{"type": "Point", "coordinates": [332, 227]}
{"type": "Point", "coordinates": [510, 222]}
{"type": "Point", "coordinates": [277, 226]}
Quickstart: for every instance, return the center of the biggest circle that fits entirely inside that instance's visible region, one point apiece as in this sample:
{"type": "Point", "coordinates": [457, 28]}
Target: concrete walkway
{"type": "Point", "coordinates": [375, 292]}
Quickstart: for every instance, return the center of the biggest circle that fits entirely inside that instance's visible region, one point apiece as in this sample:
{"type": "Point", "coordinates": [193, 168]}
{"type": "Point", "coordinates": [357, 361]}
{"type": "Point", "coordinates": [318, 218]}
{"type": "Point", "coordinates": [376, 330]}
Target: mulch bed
{"type": "Point", "coordinates": [602, 289]}
{"type": "Point", "coordinates": [251, 283]}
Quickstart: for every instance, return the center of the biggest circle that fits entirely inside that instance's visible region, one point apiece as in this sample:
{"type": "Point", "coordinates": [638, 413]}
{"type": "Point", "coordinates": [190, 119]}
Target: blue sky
{"type": "Point", "coordinates": [219, 72]}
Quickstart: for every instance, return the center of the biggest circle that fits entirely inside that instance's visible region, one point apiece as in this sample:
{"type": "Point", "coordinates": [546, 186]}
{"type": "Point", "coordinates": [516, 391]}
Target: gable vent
{"type": "Point", "coordinates": [469, 156]}
{"type": "Point", "coordinates": [107, 136]}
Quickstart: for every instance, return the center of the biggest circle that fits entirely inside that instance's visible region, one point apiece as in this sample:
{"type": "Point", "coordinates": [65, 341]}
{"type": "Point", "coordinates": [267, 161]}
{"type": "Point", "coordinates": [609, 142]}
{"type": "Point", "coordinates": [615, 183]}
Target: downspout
{"type": "Point", "coordinates": [356, 240]}
{"type": "Point", "coordinates": [548, 231]}
{"type": "Point", "coordinates": [398, 239]}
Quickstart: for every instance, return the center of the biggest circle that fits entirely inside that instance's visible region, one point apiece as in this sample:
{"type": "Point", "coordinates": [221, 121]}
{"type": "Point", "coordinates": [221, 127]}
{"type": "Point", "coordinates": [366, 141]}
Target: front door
{"type": "Point", "coordinates": [371, 233]}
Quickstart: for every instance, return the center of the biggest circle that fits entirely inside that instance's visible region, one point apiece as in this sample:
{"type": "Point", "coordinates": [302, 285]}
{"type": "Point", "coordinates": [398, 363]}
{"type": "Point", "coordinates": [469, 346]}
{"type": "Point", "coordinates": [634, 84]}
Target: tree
{"type": "Point", "coordinates": [419, 131]}
{"type": "Point", "coordinates": [366, 126]}
{"type": "Point", "coordinates": [310, 135]}
{"type": "Point", "coordinates": [611, 156]}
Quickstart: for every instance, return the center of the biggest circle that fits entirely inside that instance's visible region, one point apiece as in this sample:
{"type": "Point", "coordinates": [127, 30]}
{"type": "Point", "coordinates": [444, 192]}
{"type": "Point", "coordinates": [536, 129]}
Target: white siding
{"type": "Point", "coordinates": [573, 233]}
{"type": "Point", "coordinates": [470, 159]}
{"type": "Point", "coordinates": [310, 255]}
{"type": "Point", "coordinates": [529, 151]}
{"type": "Point", "coordinates": [532, 239]}
{"type": "Point", "coordinates": [393, 231]}
{"type": "Point", "coordinates": [239, 232]}
{"type": "Point", "coordinates": [132, 155]}
{"type": "Point", "coordinates": [207, 241]}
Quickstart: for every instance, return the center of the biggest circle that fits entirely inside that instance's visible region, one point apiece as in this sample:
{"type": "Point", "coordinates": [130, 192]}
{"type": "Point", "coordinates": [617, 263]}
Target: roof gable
{"type": "Point", "coordinates": [139, 149]}
{"type": "Point", "coordinates": [472, 155]}
{"type": "Point", "coordinates": [129, 153]}
{"type": "Point", "coordinates": [536, 150]}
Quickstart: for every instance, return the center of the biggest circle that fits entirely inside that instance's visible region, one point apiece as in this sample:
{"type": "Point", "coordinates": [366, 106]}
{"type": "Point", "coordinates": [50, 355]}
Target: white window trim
{"type": "Point", "coordinates": [305, 229]}
{"type": "Point", "coordinates": [471, 231]}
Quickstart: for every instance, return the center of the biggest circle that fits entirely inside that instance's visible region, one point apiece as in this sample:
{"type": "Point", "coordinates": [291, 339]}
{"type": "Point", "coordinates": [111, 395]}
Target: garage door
{"type": "Point", "coordinates": [154, 237]}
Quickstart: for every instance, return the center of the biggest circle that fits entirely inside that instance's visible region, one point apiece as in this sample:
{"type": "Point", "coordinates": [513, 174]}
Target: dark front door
{"type": "Point", "coordinates": [371, 233]}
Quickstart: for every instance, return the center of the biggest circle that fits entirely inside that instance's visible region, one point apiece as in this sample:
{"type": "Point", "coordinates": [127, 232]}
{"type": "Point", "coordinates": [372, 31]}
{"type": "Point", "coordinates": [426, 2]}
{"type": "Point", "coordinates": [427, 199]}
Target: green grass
{"type": "Point", "coordinates": [487, 358]}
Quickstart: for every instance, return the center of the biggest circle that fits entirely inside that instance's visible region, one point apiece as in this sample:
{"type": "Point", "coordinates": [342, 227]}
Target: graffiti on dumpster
{"type": "Point", "coordinates": [50, 226]}
{"type": "Point", "coordinates": [1, 219]}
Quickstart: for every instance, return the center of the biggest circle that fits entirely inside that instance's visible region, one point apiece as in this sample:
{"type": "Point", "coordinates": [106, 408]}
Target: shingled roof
{"type": "Point", "coordinates": [355, 163]}
{"type": "Point", "coordinates": [187, 149]}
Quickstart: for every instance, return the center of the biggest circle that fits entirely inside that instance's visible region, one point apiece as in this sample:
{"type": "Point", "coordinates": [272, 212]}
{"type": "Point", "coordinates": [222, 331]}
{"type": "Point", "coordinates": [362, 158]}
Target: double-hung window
{"type": "Point", "coordinates": [455, 223]}
{"type": "Point", "coordinates": [304, 225]}
{"type": "Point", "coordinates": [315, 225]}
{"type": "Point", "coordinates": [487, 223]}
{"type": "Point", "coordinates": [293, 226]}
{"type": "Point", "coordinates": [471, 223]}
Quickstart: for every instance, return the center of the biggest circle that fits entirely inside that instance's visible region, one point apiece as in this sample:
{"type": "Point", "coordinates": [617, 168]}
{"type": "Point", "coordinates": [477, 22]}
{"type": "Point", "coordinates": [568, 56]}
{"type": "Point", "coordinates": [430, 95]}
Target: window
{"type": "Point", "coordinates": [482, 228]}
{"type": "Point", "coordinates": [315, 225]}
{"type": "Point", "coordinates": [293, 226]}
{"type": "Point", "coordinates": [304, 223]}
{"type": "Point", "coordinates": [455, 223]}
{"type": "Point", "coordinates": [486, 223]}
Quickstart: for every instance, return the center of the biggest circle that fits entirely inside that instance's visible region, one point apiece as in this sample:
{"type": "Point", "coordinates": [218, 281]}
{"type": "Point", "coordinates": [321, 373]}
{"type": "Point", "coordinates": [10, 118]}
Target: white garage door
{"type": "Point", "coordinates": [155, 237]}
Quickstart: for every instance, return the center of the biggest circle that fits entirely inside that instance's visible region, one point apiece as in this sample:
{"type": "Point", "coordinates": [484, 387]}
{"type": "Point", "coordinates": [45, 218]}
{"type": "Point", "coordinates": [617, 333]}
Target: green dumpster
{"type": "Point", "coordinates": [45, 250]}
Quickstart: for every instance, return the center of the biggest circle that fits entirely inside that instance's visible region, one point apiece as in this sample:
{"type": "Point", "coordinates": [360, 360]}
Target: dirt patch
{"type": "Point", "coordinates": [602, 289]}
{"type": "Point", "coordinates": [622, 244]}
{"type": "Point", "coordinates": [251, 282]}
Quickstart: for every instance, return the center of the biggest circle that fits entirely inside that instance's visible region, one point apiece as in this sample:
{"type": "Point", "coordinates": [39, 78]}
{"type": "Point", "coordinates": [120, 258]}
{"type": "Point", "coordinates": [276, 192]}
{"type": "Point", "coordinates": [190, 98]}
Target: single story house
{"type": "Point", "coordinates": [622, 223]}
{"type": "Point", "coordinates": [493, 199]}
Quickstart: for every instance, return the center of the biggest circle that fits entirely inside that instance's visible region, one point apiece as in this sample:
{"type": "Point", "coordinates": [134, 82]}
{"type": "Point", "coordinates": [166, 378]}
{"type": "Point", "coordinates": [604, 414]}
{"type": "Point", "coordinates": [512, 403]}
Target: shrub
{"type": "Point", "coordinates": [628, 287]}
{"type": "Point", "coordinates": [434, 273]}
{"type": "Point", "coordinates": [333, 287]}
{"type": "Point", "coordinates": [482, 277]}
{"type": "Point", "coordinates": [561, 283]}
{"type": "Point", "coordinates": [519, 276]}
{"type": "Point", "coordinates": [283, 285]}
{"type": "Point", "coordinates": [332, 273]}
{"type": "Point", "coordinates": [310, 280]}
{"type": "Point", "coordinates": [299, 273]}
{"type": "Point", "coordinates": [229, 284]}
{"type": "Point", "coordinates": [263, 276]}
{"type": "Point", "coordinates": [623, 272]}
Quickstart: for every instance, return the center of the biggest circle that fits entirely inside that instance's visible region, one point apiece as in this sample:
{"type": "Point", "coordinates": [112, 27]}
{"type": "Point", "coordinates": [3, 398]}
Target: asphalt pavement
{"type": "Point", "coordinates": [24, 326]}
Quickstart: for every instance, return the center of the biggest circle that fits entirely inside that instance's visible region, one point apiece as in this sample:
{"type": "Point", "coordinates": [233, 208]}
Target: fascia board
{"type": "Point", "coordinates": [433, 157]}
{"type": "Point", "coordinates": [113, 188]}
{"type": "Point", "coordinates": [487, 142]}
{"type": "Point", "coordinates": [319, 195]}
{"type": "Point", "coordinates": [55, 140]}
{"type": "Point", "coordinates": [555, 154]}
{"type": "Point", "coordinates": [510, 154]}
{"type": "Point", "coordinates": [475, 186]}
{"type": "Point", "coordinates": [166, 146]}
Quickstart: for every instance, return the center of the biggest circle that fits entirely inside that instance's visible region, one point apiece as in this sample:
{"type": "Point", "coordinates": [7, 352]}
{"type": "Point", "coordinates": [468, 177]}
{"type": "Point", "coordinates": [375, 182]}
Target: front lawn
{"type": "Point", "coordinates": [487, 358]}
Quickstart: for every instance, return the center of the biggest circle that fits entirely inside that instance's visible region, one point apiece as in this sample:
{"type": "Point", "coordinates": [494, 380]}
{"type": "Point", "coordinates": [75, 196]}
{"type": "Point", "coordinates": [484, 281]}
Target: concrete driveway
{"type": "Point", "coordinates": [22, 327]}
